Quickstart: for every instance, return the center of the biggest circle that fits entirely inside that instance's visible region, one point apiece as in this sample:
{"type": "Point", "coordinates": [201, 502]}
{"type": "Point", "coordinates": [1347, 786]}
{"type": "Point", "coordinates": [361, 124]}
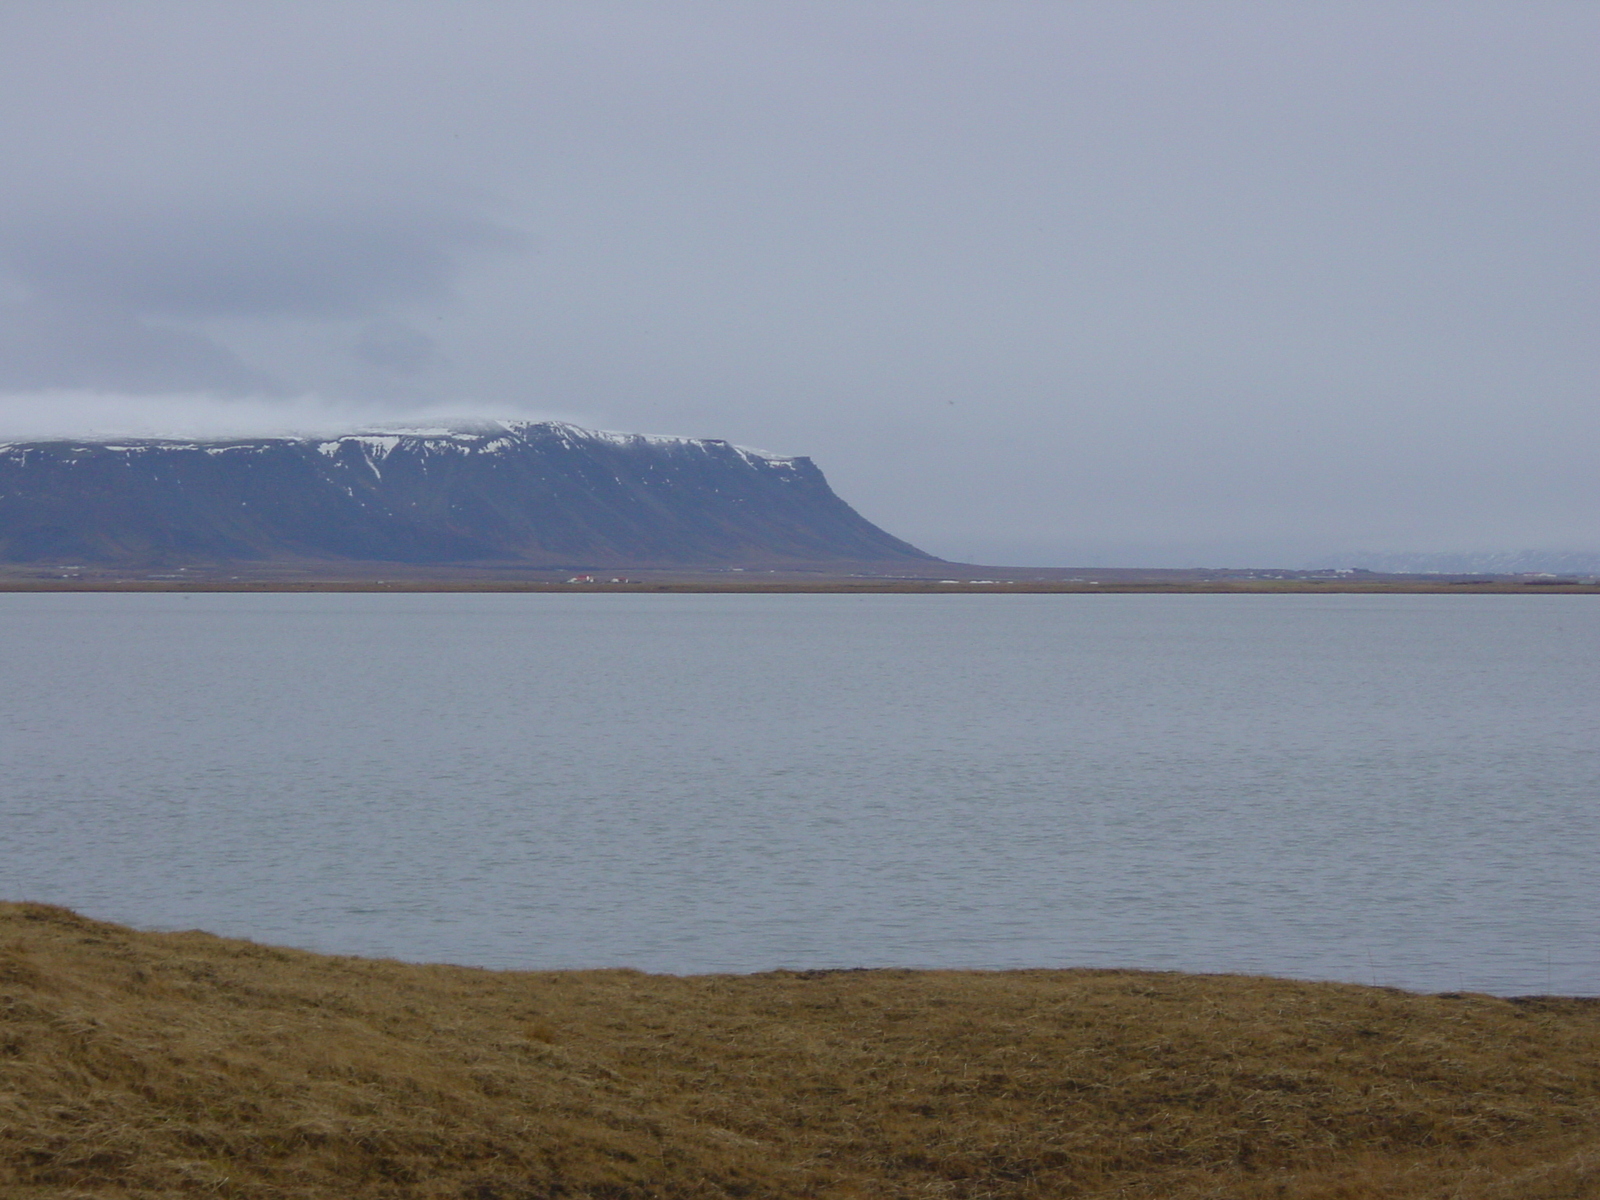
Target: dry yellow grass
{"type": "Point", "coordinates": [155, 1065]}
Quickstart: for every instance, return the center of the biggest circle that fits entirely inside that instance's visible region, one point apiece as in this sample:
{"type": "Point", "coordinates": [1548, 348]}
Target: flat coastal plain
{"type": "Point", "coordinates": [143, 1065]}
{"type": "Point", "coordinates": [837, 578]}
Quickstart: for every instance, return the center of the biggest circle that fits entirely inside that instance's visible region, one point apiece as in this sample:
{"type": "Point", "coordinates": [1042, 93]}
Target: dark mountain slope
{"type": "Point", "coordinates": [537, 493]}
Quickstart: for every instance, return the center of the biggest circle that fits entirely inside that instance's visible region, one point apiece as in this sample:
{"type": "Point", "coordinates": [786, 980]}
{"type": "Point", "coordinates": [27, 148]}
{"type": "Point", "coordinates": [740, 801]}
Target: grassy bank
{"type": "Point", "coordinates": [135, 1064]}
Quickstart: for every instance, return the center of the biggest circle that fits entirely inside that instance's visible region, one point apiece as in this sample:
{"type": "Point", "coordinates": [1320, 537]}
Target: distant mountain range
{"type": "Point", "coordinates": [537, 493]}
{"type": "Point", "coordinates": [1487, 562]}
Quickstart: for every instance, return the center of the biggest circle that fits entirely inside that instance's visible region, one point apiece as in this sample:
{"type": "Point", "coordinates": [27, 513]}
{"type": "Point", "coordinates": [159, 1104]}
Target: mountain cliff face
{"type": "Point", "coordinates": [538, 493]}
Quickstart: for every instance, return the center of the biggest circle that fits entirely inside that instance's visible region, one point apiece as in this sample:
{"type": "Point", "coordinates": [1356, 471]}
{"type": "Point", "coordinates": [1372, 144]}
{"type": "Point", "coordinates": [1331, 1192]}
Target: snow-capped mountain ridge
{"type": "Point", "coordinates": [527, 491]}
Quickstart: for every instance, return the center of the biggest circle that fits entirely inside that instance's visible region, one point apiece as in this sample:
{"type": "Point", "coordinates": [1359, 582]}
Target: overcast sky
{"type": "Point", "coordinates": [1169, 283]}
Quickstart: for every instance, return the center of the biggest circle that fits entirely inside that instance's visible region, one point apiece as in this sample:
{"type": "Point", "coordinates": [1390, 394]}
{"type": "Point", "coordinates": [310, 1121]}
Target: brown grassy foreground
{"type": "Point", "coordinates": [135, 1064]}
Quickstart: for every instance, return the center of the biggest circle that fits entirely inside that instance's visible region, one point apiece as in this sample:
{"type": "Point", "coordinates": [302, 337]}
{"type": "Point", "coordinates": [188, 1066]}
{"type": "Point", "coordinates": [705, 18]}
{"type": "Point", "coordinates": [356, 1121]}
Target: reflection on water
{"type": "Point", "coordinates": [1390, 789]}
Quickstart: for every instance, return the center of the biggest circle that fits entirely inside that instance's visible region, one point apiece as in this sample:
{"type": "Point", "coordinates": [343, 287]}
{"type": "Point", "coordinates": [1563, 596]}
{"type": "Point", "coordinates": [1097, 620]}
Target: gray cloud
{"type": "Point", "coordinates": [48, 345]}
{"type": "Point", "coordinates": [95, 289]}
{"type": "Point", "coordinates": [225, 262]}
{"type": "Point", "coordinates": [397, 348]}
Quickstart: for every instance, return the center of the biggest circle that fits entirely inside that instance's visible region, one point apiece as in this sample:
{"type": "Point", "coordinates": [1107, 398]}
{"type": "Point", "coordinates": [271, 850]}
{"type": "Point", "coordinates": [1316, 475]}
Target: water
{"type": "Point", "coordinates": [1389, 789]}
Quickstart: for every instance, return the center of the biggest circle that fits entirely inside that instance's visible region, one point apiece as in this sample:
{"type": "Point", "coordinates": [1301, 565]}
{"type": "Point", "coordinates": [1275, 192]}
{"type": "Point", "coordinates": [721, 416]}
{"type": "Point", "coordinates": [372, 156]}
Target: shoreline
{"type": "Point", "coordinates": [809, 587]}
{"type": "Point", "coordinates": [846, 577]}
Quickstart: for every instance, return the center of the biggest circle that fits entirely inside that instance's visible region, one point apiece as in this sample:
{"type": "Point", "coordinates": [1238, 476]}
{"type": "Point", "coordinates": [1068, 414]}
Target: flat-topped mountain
{"type": "Point", "coordinates": [542, 493]}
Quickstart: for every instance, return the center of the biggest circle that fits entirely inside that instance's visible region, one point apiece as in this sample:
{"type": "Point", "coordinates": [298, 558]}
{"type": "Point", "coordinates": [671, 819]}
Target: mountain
{"type": "Point", "coordinates": [537, 493]}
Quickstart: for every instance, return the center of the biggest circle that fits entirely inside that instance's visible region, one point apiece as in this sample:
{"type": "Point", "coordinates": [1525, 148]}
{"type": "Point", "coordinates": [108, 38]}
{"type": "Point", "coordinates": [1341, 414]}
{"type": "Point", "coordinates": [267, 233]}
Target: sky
{"type": "Point", "coordinates": [1170, 283]}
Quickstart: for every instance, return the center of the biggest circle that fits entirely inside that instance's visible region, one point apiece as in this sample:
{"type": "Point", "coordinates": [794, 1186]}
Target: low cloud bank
{"type": "Point", "coordinates": [41, 416]}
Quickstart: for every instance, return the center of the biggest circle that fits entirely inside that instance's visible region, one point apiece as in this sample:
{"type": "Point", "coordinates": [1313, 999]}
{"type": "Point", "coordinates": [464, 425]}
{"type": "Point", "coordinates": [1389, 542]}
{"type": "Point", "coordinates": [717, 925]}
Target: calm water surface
{"type": "Point", "coordinates": [1398, 789]}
